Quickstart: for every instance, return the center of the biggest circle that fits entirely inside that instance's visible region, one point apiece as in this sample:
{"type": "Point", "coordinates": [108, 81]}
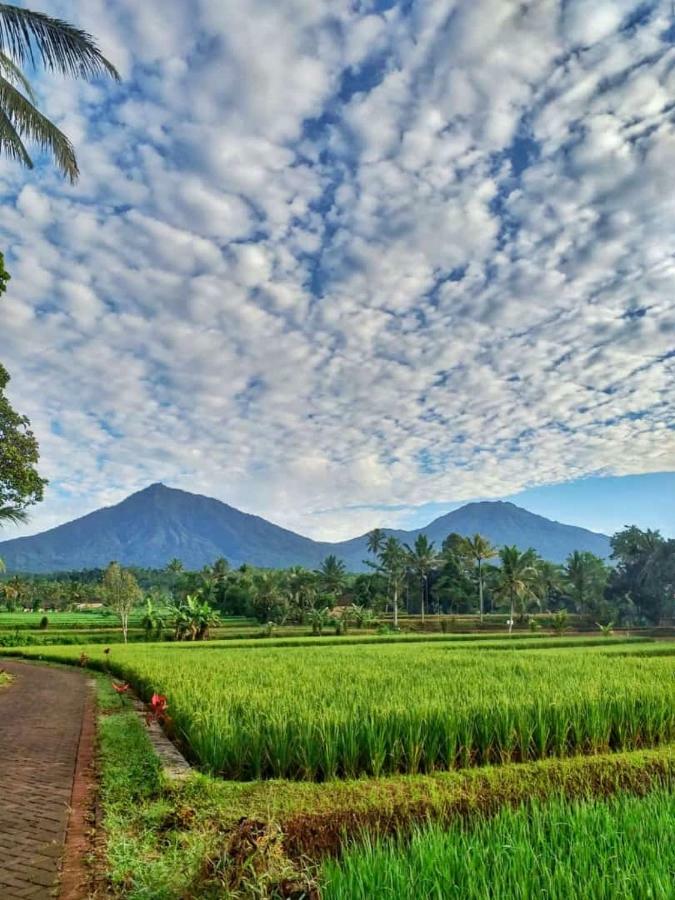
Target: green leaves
{"type": "Point", "coordinates": [28, 37]}
{"type": "Point", "coordinates": [20, 119]}
{"type": "Point", "coordinates": [33, 37]}
{"type": "Point", "coordinates": [20, 483]}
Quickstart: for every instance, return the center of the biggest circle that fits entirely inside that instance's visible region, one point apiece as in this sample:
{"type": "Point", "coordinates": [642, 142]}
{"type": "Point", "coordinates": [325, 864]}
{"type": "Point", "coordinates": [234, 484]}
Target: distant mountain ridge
{"type": "Point", "coordinates": [154, 525]}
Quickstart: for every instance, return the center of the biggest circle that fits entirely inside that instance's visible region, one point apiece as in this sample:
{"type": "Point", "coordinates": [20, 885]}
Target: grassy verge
{"type": "Point", "coordinates": [205, 837]}
{"type": "Point", "coordinates": [151, 853]}
{"type": "Point", "coordinates": [5, 678]}
{"type": "Point", "coordinates": [619, 848]}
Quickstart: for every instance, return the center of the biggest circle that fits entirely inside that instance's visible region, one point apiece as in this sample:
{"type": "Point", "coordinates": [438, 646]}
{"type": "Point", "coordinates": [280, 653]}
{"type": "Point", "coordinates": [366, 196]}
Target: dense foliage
{"type": "Point", "coordinates": [466, 575]}
{"type": "Point", "coordinates": [20, 483]}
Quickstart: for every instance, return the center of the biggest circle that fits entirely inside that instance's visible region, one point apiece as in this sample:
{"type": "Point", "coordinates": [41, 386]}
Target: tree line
{"type": "Point", "coordinates": [463, 575]}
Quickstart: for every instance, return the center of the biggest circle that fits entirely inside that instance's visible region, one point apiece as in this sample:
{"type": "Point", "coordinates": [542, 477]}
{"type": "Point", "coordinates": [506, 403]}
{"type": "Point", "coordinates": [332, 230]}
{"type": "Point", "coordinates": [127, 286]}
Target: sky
{"type": "Point", "coordinates": [345, 264]}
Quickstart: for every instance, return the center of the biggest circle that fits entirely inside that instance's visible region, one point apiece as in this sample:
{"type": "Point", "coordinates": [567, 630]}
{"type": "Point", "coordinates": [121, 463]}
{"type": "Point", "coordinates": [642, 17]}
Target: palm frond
{"type": "Point", "coordinates": [13, 73]}
{"type": "Point", "coordinates": [27, 121]}
{"type": "Point", "coordinates": [29, 36]}
{"type": "Point", "coordinates": [12, 145]}
{"type": "Point", "coordinates": [12, 515]}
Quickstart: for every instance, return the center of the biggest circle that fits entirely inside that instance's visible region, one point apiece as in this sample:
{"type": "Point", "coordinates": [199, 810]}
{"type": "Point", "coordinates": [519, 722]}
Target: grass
{"type": "Point", "coordinates": [144, 859]}
{"type": "Point", "coordinates": [315, 712]}
{"type": "Point", "coordinates": [166, 841]}
{"type": "Point", "coordinates": [5, 678]}
{"type": "Point", "coordinates": [619, 848]}
{"type": "Point", "coordinates": [489, 764]}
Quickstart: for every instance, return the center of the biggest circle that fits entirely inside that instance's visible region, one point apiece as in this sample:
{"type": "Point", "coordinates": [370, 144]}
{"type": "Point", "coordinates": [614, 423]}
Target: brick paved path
{"type": "Point", "coordinates": [40, 721]}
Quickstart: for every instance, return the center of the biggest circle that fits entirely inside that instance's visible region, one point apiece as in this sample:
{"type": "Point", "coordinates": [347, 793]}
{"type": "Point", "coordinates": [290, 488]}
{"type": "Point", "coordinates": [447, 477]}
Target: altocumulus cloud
{"type": "Point", "coordinates": [327, 256]}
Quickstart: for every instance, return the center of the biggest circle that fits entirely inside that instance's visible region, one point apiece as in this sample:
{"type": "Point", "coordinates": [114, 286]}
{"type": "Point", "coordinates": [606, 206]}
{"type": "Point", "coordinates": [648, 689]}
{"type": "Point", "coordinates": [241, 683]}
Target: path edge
{"type": "Point", "coordinates": [76, 874]}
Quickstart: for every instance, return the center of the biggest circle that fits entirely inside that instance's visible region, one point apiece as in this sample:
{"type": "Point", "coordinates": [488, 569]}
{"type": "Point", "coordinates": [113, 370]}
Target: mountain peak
{"type": "Point", "coordinates": [158, 523]}
{"type": "Point", "coordinates": [155, 488]}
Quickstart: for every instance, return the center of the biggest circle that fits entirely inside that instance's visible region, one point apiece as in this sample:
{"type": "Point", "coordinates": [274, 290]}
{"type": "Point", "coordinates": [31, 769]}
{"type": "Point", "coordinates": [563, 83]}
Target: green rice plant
{"type": "Point", "coordinates": [617, 849]}
{"type": "Point", "coordinates": [319, 712]}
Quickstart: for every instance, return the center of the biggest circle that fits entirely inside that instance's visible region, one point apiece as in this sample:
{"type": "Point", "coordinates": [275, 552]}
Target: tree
{"type": "Point", "coordinates": [454, 578]}
{"type": "Point", "coordinates": [658, 578]}
{"type": "Point", "coordinates": [121, 593]}
{"type": "Point", "coordinates": [301, 587]}
{"type": "Point", "coordinates": [644, 573]}
{"type": "Point", "coordinates": [215, 579]}
{"type": "Point", "coordinates": [319, 619]}
{"type": "Point", "coordinates": [193, 617]}
{"type": "Point", "coordinates": [516, 578]}
{"type": "Point", "coordinates": [478, 549]}
{"type": "Point", "coordinates": [393, 563]}
{"type": "Point", "coordinates": [422, 559]}
{"type": "Point", "coordinates": [15, 592]}
{"type": "Point", "coordinates": [370, 589]}
{"type": "Point", "coordinates": [20, 483]}
{"type": "Point", "coordinates": [270, 597]}
{"type": "Point", "coordinates": [28, 37]}
{"type": "Point", "coordinates": [375, 541]}
{"type": "Point", "coordinates": [175, 567]}
{"type": "Point", "coordinates": [332, 574]}
{"type": "Point", "coordinates": [585, 577]}
{"type": "Point", "coordinates": [549, 582]}
{"type": "Point", "coordinates": [153, 620]}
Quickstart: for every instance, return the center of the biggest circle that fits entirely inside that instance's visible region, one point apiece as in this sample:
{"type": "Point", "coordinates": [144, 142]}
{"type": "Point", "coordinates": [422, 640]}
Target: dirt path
{"type": "Point", "coordinates": [41, 719]}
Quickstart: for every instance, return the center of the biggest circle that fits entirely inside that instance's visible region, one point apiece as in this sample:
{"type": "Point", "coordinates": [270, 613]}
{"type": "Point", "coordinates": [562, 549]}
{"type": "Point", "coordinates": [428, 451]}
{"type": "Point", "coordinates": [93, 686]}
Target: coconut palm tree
{"type": "Point", "coordinates": [301, 586]}
{"type": "Point", "coordinates": [586, 576]}
{"type": "Point", "coordinates": [332, 574]}
{"type": "Point", "coordinates": [516, 578]}
{"type": "Point", "coordinates": [422, 559]}
{"type": "Point", "coordinates": [478, 549]}
{"type": "Point", "coordinates": [393, 565]}
{"type": "Point", "coordinates": [549, 582]}
{"type": "Point", "coordinates": [32, 38]}
{"type": "Point", "coordinates": [375, 541]}
{"type": "Point", "coordinates": [270, 597]}
{"type": "Point", "coordinates": [10, 515]}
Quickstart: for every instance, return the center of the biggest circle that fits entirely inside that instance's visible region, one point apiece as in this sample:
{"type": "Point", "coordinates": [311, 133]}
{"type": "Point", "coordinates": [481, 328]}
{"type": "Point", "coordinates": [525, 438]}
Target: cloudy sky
{"type": "Point", "coordinates": [331, 262]}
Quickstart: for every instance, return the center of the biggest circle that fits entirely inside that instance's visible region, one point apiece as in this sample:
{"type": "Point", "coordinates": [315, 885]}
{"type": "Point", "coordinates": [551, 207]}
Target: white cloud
{"type": "Point", "coordinates": [312, 303]}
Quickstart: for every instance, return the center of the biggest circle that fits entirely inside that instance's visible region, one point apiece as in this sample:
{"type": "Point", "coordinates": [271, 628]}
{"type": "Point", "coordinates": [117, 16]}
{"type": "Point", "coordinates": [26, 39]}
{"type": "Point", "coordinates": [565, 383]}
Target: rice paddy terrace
{"type": "Point", "coordinates": [344, 763]}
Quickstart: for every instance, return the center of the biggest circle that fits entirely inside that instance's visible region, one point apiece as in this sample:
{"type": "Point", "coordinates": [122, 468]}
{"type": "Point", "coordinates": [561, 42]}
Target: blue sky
{"type": "Point", "coordinates": [329, 261]}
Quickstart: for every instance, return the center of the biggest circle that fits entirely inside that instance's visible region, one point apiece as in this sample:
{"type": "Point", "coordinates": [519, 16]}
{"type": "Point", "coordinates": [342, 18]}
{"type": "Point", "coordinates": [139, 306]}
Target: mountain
{"type": "Point", "coordinates": [502, 523]}
{"type": "Point", "coordinates": [155, 525]}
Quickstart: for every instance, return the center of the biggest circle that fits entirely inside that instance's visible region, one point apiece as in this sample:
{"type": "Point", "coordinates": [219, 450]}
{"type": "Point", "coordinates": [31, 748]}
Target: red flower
{"type": "Point", "coordinates": [158, 708]}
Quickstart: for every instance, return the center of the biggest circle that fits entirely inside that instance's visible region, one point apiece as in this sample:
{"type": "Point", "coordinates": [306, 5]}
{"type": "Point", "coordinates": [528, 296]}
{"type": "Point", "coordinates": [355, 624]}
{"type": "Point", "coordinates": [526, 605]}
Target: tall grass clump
{"type": "Point", "coordinates": [620, 848]}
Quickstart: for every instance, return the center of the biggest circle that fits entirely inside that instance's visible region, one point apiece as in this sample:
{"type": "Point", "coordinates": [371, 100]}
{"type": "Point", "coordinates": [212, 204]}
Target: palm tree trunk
{"type": "Point", "coordinates": [395, 607]}
{"type": "Point", "coordinates": [424, 588]}
{"type": "Point", "coordinates": [480, 592]}
{"type": "Point", "coordinates": [511, 616]}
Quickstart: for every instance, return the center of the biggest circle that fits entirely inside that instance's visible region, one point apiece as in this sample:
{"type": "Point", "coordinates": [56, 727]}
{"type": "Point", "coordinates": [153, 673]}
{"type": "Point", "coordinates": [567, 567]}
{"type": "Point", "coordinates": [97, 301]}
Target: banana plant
{"type": "Point", "coordinates": [319, 619]}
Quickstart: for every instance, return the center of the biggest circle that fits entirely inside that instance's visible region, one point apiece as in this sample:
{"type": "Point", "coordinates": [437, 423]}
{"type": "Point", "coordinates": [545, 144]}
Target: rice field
{"type": "Point", "coordinates": [318, 712]}
{"type": "Point", "coordinates": [618, 849]}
